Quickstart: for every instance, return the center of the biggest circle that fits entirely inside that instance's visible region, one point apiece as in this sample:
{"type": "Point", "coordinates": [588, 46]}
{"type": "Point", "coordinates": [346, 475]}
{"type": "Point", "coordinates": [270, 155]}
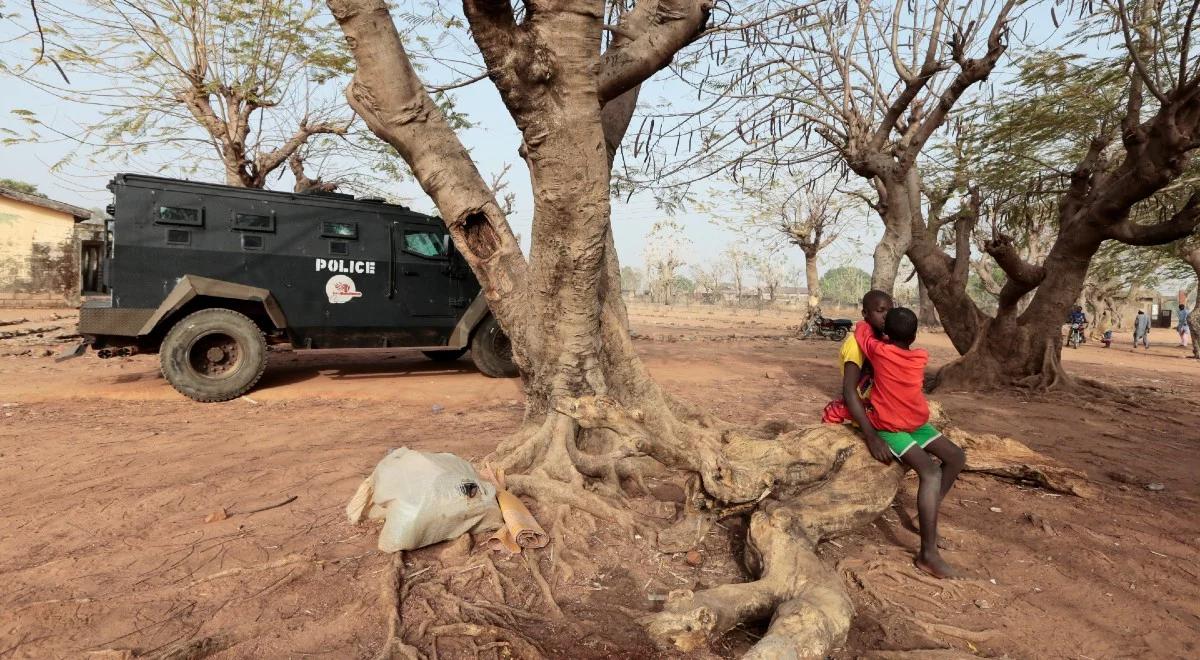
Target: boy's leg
{"type": "Point", "coordinates": [929, 497]}
{"type": "Point", "coordinates": [952, 457]}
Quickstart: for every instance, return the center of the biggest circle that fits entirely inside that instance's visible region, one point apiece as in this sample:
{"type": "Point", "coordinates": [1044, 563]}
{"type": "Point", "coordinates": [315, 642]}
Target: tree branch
{"type": "Point", "coordinates": [1017, 269]}
{"type": "Point", "coordinates": [1134, 54]}
{"type": "Point", "coordinates": [986, 277]}
{"type": "Point", "coordinates": [970, 72]}
{"type": "Point", "coordinates": [964, 224]}
{"type": "Point", "coordinates": [673, 25]}
{"type": "Point", "coordinates": [392, 100]}
{"type": "Point", "coordinates": [303, 183]}
{"type": "Point", "coordinates": [1081, 177]}
{"type": "Point", "coordinates": [266, 163]}
{"type": "Point", "coordinates": [1181, 225]}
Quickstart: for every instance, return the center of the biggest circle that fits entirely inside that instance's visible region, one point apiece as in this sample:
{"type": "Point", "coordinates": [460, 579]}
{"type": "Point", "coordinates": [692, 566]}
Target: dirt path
{"type": "Point", "coordinates": [107, 476]}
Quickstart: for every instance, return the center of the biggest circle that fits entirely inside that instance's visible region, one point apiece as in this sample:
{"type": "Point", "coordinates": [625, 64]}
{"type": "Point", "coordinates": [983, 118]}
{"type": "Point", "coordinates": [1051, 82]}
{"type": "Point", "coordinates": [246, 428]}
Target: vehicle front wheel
{"type": "Point", "coordinates": [213, 355]}
{"type": "Point", "coordinates": [491, 351]}
{"type": "Point", "coordinates": [838, 334]}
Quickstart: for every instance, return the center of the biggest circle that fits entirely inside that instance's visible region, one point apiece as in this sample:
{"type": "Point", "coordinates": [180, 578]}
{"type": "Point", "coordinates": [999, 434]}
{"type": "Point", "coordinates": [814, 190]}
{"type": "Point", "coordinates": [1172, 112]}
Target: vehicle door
{"type": "Point", "coordinates": [422, 258]}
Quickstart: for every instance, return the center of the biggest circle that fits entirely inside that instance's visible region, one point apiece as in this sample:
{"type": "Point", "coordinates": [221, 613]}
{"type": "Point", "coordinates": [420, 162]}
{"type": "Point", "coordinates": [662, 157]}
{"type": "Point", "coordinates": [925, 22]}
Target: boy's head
{"type": "Point", "coordinates": [1140, 312]}
{"type": "Point", "coordinates": [875, 306]}
{"type": "Point", "coordinates": [900, 325]}
{"type": "Point", "coordinates": [1181, 306]}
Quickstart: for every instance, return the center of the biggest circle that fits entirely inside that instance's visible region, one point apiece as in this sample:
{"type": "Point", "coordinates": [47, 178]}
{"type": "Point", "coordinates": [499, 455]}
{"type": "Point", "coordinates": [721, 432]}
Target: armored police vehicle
{"type": "Point", "coordinates": [209, 275]}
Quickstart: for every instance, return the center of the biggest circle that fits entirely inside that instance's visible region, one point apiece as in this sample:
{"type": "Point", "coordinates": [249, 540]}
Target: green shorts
{"type": "Point", "coordinates": [901, 441]}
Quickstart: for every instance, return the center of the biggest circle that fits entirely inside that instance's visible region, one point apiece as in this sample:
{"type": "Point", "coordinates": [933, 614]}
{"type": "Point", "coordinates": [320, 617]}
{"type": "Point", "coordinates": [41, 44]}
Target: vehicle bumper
{"type": "Point", "coordinates": [100, 318]}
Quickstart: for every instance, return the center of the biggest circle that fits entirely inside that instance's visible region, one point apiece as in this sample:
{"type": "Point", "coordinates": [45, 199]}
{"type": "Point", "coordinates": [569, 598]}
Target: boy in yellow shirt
{"type": "Point", "coordinates": [857, 377]}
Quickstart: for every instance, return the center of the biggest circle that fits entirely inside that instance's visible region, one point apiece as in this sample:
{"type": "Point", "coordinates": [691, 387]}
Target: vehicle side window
{"type": "Point", "coordinates": [179, 215]}
{"type": "Point", "coordinates": [339, 230]}
{"type": "Point", "coordinates": [254, 222]}
{"type": "Point", "coordinates": [430, 244]}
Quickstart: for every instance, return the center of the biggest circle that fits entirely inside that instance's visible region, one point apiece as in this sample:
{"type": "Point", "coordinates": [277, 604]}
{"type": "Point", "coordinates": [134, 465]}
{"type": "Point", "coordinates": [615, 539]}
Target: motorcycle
{"type": "Point", "coordinates": [1075, 337]}
{"type": "Point", "coordinates": [834, 329]}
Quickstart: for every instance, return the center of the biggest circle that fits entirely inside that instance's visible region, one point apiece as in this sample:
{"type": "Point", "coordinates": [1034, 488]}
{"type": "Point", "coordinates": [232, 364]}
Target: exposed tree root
{"type": "Point", "coordinates": [980, 370]}
{"type": "Point", "coordinates": [547, 593]}
{"type": "Point", "coordinates": [521, 647]}
{"type": "Point", "coordinates": [811, 612]}
{"type": "Point", "coordinates": [1009, 459]}
{"type": "Point", "coordinates": [798, 486]}
{"type": "Point", "coordinates": [278, 563]}
{"type": "Point", "coordinates": [542, 489]}
{"type": "Point", "coordinates": [394, 646]}
{"type": "Point", "coordinates": [890, 585]}
{"type": "Point", "coordinates": [194, 649]}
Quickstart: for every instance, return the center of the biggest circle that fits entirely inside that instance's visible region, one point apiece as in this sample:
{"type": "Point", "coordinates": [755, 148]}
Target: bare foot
{"type": "Point", "coordinates": [936, 566]}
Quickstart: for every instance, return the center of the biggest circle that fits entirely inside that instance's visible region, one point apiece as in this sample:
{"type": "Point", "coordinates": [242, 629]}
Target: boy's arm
{"type": "Point", "coordinates": [865, 336]}
{"type": "Point", "coordinates": [875, 444]}
{"type": "Point", "coordinates": [858, 413]}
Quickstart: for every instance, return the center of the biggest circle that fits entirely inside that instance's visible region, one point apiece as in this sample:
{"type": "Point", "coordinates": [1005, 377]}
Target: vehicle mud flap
{"type": "Point", "coordinates": [69, 353]}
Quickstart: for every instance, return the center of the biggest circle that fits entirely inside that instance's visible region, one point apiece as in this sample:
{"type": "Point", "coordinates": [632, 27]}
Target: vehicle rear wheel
{"type": "Point", "coordinates": [491, 350]}
{"type": "Point", "coordinates": [445, 356]}
{"type": "Point", "coordinates": [213, 355]}
{"type": "Point", "coordinates": [838, 334]}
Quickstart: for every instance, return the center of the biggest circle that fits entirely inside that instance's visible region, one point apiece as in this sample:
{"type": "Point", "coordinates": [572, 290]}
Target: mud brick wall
{"type": "Point", "coordinates": [38, 257]}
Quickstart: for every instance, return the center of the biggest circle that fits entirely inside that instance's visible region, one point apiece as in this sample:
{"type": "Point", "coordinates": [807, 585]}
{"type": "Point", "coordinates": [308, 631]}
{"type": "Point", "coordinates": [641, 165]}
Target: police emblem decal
{"type": "Point", "coordinates": [340, 289]}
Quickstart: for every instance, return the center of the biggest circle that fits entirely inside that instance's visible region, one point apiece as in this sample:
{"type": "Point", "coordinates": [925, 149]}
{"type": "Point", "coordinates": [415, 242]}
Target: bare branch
{"type": "Point", "coordinates": [1017, 269]}
{"type": "Point", "coordinates": [970, 72]}
{"type": "Point", "coordinates": [460, 83]}
{"type": "Point", "coordinates": [265, 163]}
{"type": "Point", "coordinates": [1135, 55]}
{"type": "Point", "coordinates": [673, 25]}
{"type": "Point", "coordinates": [1182, 224]}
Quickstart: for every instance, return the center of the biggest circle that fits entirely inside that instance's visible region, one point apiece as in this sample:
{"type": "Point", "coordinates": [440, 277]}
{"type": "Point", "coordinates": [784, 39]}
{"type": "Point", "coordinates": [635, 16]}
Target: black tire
{"type": "Point", "coordinates": [839, 334]}
{"type": "Point", "coordinates": [449, 355]}
{"type": "Point", "coordinates": [491, 351]}
{"type": "Point", "coordinates": [213, 355]}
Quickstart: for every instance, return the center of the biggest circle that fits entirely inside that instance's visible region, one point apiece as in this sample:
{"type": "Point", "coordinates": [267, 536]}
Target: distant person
{"type": "Point", "coordinates": [901, 414]}
{"type": "Point", "coordinates": [1141, 330]}
{"type": "Point", "coordinates": [1106, 336]}
{"type": "Point", "coordinates": [1182, 326]}
{"type": "Point", "coordinates": [1077, 317]}
{"type": "Point", "coordinates": [1077, 322]}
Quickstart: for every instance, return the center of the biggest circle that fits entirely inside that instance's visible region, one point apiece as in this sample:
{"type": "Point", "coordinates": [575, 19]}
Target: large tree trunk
{"type": "Point", "coordinates": [888, 254]}
{"type": "Point", "coordinates": [812, 279]}
{"type": "Point", "coordinates": [899, 202]}
{"type": "Point", "coordinates": [1025, 348]}
{"type": "Point", "coordinates": [927, 315]}
{"type": "Point", "coordinates": [943, 279]}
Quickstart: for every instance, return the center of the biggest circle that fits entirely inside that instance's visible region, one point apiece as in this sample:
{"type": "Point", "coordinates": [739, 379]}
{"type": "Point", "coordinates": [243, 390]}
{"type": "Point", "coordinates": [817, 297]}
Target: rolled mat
{"type": "Point", "coordinates": [503, 540]}
{"type": "Point", "coordinates": [520, 523]}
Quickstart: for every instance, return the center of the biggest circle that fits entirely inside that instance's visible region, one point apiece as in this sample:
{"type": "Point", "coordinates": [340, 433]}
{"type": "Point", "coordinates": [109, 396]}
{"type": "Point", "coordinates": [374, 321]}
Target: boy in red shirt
{"type": "Point", "coordinates": [900, 414]}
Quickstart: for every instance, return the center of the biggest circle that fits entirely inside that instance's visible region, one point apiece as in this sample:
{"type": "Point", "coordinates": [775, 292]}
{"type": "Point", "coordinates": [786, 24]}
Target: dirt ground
{"type": "Point", "coordinates": [107, 476]}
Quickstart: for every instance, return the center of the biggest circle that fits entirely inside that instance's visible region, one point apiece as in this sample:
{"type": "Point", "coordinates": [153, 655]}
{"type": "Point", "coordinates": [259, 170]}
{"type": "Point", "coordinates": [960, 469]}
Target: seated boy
{"type": "Point", "coordinates": [856, 374]}
{"type": "Point", "coordinates": [900, 414]}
